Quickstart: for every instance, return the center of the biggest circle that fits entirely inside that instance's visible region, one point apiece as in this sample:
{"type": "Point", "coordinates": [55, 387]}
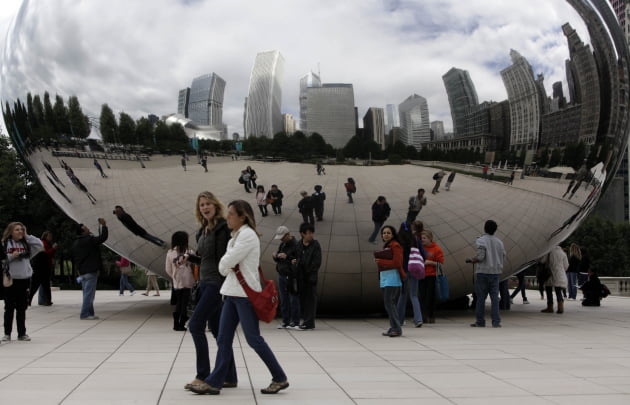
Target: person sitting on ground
{"type": "Point", "coordinates": [592, 290]}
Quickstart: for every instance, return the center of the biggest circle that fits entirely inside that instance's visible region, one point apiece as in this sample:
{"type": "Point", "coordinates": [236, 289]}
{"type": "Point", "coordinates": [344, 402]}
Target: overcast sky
{"type": "Point", "coordinates": [136, 55]}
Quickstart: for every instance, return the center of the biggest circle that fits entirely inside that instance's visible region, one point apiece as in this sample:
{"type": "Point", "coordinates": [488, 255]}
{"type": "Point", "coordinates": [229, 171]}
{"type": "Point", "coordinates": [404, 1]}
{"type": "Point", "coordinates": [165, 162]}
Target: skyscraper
{"type": "Point", "coordinates": [309, 80]}
{"type": "Point", "coordinates": [205, 105]}
{"type": "Point", "coordinates": [330, 112]}
{"type": "Point", "coordinates": [524, 103]}
{"type": "Point", "coordinates": [182, 101]}
{"type": "Point", "coordinates": [438, 130]}
{"type": "Point", "coordinates": [414, 121]}
{"type": "Point", "coordinates": [374, 125]}
{"type": "Point", "coordinates": [392, 118]}
{"type": "Point", "coordinates": [461, 97]}
{"type": "Point", "coordinates": [263, 116]}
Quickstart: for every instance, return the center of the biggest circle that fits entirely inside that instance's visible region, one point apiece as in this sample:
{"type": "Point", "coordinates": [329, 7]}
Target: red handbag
{"type": "Point", "coordinates": [265, 302]}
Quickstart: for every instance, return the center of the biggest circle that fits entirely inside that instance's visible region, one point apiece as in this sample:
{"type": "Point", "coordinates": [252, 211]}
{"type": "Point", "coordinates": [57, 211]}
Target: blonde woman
{"type": "Point", "coordinates": [18, 248]}
{"type": "Point", "coordinates": [243, 251]}
{"type": "Point", "coordinates": [575, 262]}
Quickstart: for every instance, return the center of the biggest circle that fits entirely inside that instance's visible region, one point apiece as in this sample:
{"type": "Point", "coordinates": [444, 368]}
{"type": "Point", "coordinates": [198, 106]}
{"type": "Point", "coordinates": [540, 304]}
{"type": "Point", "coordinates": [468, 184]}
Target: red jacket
{"type": "Point", "coordinates": [434, 253]}
{"type": "Point", "coordinates": [396, 262]}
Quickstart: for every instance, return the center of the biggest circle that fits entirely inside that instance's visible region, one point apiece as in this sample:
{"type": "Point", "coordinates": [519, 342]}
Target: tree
{"type": "Point", "coordinates": [127, 129]}
{"type": "Point", "coordinates": [554, 159]}
{"type": "Point", "coordinates": [144, 132]}
{"type": "Point", "coordinates": [78, 121]}
{"type": "Point", "coordinates": [108, 125]}
{"type": "Point", "coordinates": [62, 123]}
{"type": "Point", "coordinates": [49, 115]}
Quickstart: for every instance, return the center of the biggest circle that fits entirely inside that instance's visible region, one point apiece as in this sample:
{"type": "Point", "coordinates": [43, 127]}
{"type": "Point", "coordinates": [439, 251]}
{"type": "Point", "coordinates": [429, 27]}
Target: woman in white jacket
{"type": "Point", "coordinates": [243, 250]}
{"type": "Point", "coordinates": [18, 249]}
{"type": "Point", "coordinates": [558, 264]}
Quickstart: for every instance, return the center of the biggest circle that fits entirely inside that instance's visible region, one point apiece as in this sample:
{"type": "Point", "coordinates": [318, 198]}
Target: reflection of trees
{"type": "Point", "coordinates": [296, 147]}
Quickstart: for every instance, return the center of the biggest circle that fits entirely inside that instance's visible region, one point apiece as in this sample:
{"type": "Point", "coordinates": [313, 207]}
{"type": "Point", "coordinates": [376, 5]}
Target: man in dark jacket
{"type": "Point", "coordinates": [133, 226]}
{"type": "Point", "coordinates": [308, 259]}
{"type": "Point", "coordinates": [380, 213]}
{"type": "Point", "coordinates": [305, 206]}
{"type": "Point", "coordinates": [287, 283]}
{"type": "Point", "coordinates": [86, 256]}
{"type": "Point", "coordinates": [318, 198]}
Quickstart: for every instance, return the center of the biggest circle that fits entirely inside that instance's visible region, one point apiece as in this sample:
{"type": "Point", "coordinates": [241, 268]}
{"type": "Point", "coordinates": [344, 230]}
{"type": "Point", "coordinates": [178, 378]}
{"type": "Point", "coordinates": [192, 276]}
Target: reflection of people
{"type": "Point", "coordinates": [380, 213]}
{"type": "Point", "coordinates": [87, 260]}
{"type": "Point", "coordinates": [438, 179]}
{"type": "Point", "coordinates": [318, 198]}
{"type": "Point", "coordinates": [449, 181]}
{"type": "Point", "coordinates": [243, 251]}
{"type": "Point", "coordinates": [18, 247]}
{"type": "Point", "coordinates": [416, 203]}
{"type": "Point", "coordinates": [276, 196]}
{"type": "Point", "coordinates": [351, 188]}
{"type": "Point", "coordinates": [99, 168]}
{"type": "Point", "coordinates": [489, 265]}
{"type": "Point", "coordinates": [136, 229]}
{"type": "Point", "coordinates": [305, 206]}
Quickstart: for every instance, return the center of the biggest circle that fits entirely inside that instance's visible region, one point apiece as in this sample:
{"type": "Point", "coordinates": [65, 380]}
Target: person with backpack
{"type": "Point", "coordinates": [413, 264]}
{"type": "Point", "coordinates": [318, 198]}
{"type": "Point", "coordinates": [438, 176]}
{"type": "Point", "coordinates": [351, 188]}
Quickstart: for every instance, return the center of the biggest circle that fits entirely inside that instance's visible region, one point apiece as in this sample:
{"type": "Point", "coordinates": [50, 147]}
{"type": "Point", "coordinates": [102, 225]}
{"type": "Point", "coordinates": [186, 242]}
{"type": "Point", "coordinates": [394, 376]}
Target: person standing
{"type": "Point", "coordinates": [305, 206]}
{"type": "Point", "coordinates": [380, 213]}
{"type": "Point", "coordinates": [391, 274]}
{"type": "Point", "coordinates": [86, 254]}
{"type": "Point", "coordinates": [409, 236]}
{"type": "Point", "coordinates": [212, 240]}
{"type": "Point", "coordinates": [42, 264]}
{"type": "Point", "coordinates": [18, 247]}
{"type": "Point", "coordinates": [124, 266]}
{"type": "Point", "coordinates": [243, 253]}
{"type": "Point", "coordinates": [99, 168]}
{"type": "Point", "coordinates": [276, 196]}
{"type": "Point", "coordinates": [308, 259]}
{"type": "Point", "coordinates": [416, 203]}
{"type": "Point", "coordinates": [558, 264]}
{"type": "Point", "coordinates": [575, 260]}
{"type": "Point", "coordinates": [351, 188]}
{"type": "Point", "coordinates": [261, 200]}
{"type": "Point", "coordinates": [287, 282]}
{"type": "Point", "coordinates": [434, 255]}
{"type": "Point", "coordinates": [178, 268]}
{"type": "Point", "coordinates": [449, 181]}
{"type": "Point", "coordinates": [204, 163]}
{"type": "Point", "coordinates": [184, 162]}
{"type": "Point", "coordinates": [489, 265]}
{"type": "Point", "coordinates": [318, 198]}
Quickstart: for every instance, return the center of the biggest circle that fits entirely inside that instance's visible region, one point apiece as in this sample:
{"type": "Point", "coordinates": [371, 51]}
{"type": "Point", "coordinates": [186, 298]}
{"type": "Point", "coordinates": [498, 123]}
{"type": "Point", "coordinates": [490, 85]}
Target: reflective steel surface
{"type": "Point", "coordinates": [589, 56]}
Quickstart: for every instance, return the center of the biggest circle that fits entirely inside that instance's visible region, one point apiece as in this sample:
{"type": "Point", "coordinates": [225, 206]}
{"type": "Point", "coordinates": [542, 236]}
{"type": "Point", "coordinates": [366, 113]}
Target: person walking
{"type": "Point", "coordinates": [409, 236]}
{"type": "Point", "coordinates": [306, 264]}
{"type": "Point", "coordinates": [521, 287]}
{"type": "Point", "coordinates": [42, 264]}
{"type": "Point", "coordinates": [242, 254]}
{"type": "Point", "coordinates": [152, 283]}
{"type": "Point", "coordinates": [351, 188]}
{"type": "Point", "coordinates": [391, 275]}
{"type": "Point", "coordinates": [489, 265]}
{"type": "Point", "coordinates": [449, 181]}
{"type": "Point", "coordinates": [416, 203]}
{"type": "Point", "coordinates": [380, 213]}
{"type": "Point", "coordinates": [287, 281]}
{"type": "Point", "coordinates": [558, 264]}
{"type": "Point", "coordinates": [124, 266]}
{"type": "Point", "coordinates": [180, 271]}
{"type": "Point", "coordinates": [212, 240]}
{"type": "Point", "coordinates": [86, 252]}
{"type": "Point", "coordinates": [18, 247]}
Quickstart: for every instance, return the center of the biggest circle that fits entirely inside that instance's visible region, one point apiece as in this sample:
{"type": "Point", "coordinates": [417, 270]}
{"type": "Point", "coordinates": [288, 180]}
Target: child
{"type": "Point", "coordinates": [261, 200]}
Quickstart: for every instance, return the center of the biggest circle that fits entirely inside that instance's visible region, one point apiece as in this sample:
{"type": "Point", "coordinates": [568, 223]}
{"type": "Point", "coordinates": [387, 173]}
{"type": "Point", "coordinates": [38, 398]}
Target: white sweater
{"type": "Point", "coordinates": [242, 249]}
{"type": "Point", "coordinates": [18, 267]}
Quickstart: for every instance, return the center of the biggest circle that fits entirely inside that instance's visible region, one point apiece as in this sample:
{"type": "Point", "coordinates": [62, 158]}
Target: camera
{"type": "Point", "coordinates": [468, 260]}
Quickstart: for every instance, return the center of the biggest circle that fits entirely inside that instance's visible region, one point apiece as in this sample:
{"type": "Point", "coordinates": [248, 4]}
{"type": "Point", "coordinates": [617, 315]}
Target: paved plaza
{"type": "Point", "coordinates": [132, 356]}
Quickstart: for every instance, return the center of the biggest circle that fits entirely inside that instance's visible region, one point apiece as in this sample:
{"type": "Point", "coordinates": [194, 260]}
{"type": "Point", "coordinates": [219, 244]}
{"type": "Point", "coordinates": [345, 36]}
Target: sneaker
{"type": "Point", "coordinates": [121, 294]}
{"type": "Point", "coordinates": [525, 301]}
{"type": "Point", "coordinates": [282, 326]}
{"type": "Point", "coordinates": [132, 293]}
{"type": "Point", "coordinates": [24, 338]}
{"type": "Point", "coordinates": [90, 318]}
{"type": "Point", "coordinates": [418, 324]}
{"type": "Point", "coordinates": [6, 338]}
{"type": "Point", "coordinates": [305, 327]}
{"type": "Point", "coordinates": [274, 387]}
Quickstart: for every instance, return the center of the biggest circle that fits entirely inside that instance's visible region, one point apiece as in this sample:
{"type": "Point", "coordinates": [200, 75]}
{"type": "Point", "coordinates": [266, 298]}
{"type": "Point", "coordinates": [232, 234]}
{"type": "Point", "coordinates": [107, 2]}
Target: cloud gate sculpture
{"type": "Point", "coordinates": [512, 53]}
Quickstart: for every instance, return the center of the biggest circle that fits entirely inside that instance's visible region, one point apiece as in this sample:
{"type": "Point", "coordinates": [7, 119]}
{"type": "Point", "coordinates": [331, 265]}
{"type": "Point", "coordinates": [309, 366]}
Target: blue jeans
{"type": "Point", "coordinates": [390, 298]}
{"type": "Point", "coordinates": [125, 284]}
{"type": "Point", "coordinates": [88, 284]}
{"type": "Point", "coordinates": [377, 229]}
{"type": "Point", "coordinates": [235, 310]}
{"type": "Point", "coordinates": [207, 311]}
{"type": "Point", "coordinates": [487, 284]}
{"type": "Point", "coordinates": [289, 303]}
{"type": "Point", "coordinates": [572, 278]}
{"type": "Point", "coordinates": [409, 289]}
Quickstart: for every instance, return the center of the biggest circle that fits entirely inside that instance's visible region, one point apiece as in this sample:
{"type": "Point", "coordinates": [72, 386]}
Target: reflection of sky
{"type": "Point", "coordinates": [117, 52]}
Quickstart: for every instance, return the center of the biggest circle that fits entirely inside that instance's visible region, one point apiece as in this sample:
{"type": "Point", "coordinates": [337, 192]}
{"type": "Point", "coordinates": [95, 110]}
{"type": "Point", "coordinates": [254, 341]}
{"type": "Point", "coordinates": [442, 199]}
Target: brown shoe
{"type": "Point", "coordinates": [274, 387]}
{"type": "Point", "coordinates": [196, 381]}
{"type": "Point", "coordinates": [205, 389]}
{"type": "Point", "coordinates": [229, 384]}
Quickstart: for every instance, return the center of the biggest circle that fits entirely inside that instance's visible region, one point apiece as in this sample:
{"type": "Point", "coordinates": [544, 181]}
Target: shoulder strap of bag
{"type": "Point", "coordinates": [241, 280]}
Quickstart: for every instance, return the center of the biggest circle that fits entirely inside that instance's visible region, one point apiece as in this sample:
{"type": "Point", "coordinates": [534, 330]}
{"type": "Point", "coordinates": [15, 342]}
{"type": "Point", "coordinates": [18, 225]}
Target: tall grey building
{"type": "Point", "coordinates": [414, 121]}
{"type": "Point", "coordinates": [330, 112]}
{"type": "Point", "coordinates": [309, 80]}
{"type": "Point", "coordinates": [205, 104]}
{"type": "Point", "coordinates": [392, 118]}
{"type": "Point", "coordinates": [182, 101]}
{"type": "Point", "coordinates": [524, 103]}
{"type": "Point", "coordinates": [263, 116]}
{"type": "Point", "coordinates": [461, 97]}
{"type": "Point", "coordinates": [438, 130]}
{"type": "Point", "coordinates": [374, 125]}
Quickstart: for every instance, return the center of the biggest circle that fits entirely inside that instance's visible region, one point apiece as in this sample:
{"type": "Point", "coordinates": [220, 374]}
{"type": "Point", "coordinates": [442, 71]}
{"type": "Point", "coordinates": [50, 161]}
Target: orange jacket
{"type": "Point", "coordinates": [434, 253]}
